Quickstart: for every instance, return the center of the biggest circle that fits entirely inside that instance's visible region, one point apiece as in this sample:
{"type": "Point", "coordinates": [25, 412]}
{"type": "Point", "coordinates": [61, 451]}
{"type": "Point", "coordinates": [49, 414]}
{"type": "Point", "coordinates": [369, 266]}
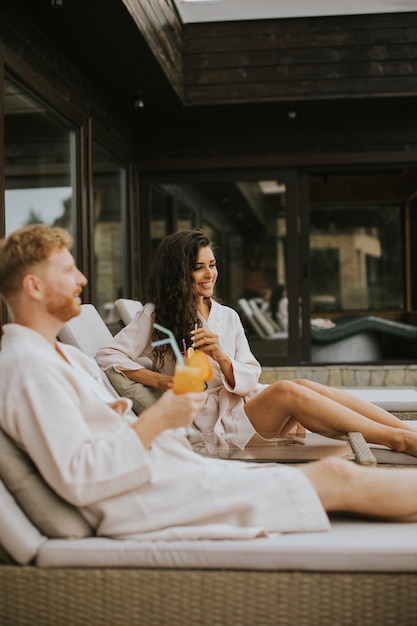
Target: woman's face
{"type": "Point", "coordinates": [205, 272]}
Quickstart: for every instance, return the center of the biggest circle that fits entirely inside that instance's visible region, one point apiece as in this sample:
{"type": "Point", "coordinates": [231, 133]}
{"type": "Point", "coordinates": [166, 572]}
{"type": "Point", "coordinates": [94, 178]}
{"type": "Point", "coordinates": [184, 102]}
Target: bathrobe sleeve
{"type": "Point", "coordinates": [225, 322]}
{"type": "Point", "coordinates": [82, 447]}
{"type": "Point", "coordinates": [224, 409]}
{"type": "Point", "coordinates": [131, 343]}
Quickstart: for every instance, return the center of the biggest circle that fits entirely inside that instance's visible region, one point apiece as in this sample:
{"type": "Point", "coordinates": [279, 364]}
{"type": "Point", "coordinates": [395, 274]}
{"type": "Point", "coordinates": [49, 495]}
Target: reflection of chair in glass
{"type": "Point", "coordinates": [266, 318]}
{"type": "Point", "coordinates": [260, 322]}
{"type": "Point", "coordinates": [347, 339]}
{"type": "Point", "coordinates": [127, 309]}
{"type": "Point", "coordinates": [359, 339]}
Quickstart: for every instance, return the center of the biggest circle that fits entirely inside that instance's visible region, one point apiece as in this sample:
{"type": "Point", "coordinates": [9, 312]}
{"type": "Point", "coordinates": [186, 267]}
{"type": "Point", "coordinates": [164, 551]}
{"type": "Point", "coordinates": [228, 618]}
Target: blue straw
{"type": "Point", "coordinates": [171, 340]}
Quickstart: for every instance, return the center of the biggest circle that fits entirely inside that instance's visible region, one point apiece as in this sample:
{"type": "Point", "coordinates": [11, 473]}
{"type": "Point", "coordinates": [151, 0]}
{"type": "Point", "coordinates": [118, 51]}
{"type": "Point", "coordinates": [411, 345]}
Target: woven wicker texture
{"type": "Point", "coordinates": [122, 597]}
{"type": "Point", "coordinates": [361, 450]}
{"type": "Point", "coordinates": [405, 415]}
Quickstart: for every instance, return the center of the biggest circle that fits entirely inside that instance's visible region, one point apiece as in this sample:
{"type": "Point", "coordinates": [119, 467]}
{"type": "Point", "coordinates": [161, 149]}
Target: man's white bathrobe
{"type": "Point", "coordinates": [223, 413]}
{"type": "Point", "coordinates": [63, 416]}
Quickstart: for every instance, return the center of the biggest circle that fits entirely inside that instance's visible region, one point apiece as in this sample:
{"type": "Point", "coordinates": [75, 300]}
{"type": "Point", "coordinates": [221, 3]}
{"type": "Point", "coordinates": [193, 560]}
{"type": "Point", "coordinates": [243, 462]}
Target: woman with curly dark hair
{"type": "Point", "coordinates": [171, 287]}
{"type": "Point", "coordinates": [179, 297]}
{"type": "Point", "coordinates": [238, 408]}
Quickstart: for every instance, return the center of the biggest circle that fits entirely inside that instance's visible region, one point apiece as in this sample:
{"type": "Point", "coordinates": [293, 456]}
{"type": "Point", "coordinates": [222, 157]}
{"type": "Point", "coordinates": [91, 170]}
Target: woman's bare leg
{"type": "Point", "coordinates": [343, 486]}
{"type": "Point", "coordinates": [273, 408]}
{"type": "Point", "coordinates": [367, 409]}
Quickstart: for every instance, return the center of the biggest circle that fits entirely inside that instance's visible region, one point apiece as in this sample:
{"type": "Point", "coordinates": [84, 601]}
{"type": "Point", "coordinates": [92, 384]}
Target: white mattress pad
{"type": "Point", "coordinates": [350, 545]}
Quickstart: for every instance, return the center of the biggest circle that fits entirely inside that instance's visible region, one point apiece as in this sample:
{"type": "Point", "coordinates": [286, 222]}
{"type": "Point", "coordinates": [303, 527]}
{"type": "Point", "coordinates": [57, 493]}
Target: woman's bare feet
{"type": "Point", "coordinates": [409, 442]}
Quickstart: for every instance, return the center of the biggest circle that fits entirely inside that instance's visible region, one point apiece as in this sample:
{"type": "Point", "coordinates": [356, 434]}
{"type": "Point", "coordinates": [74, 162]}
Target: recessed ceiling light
{"type": "Point", "coordinates": [272, 187]}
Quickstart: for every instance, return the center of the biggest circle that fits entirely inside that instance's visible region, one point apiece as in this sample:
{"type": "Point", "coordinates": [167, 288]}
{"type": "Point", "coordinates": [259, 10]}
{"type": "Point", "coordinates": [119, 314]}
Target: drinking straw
{"type": "Point", "coordinates": [170, 340]}
{"type": "Point", "coordinates": [184, 347]}
{"type": "Point", "coordinates": [195, 328]}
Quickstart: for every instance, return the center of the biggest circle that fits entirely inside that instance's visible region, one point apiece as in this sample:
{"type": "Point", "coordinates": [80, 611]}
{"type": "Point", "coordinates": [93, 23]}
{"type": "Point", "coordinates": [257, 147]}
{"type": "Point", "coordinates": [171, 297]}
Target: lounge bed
{"type": "Point", "coordinates": [358, 573]}
{"type": "Point", "coordinates": [54, 571]}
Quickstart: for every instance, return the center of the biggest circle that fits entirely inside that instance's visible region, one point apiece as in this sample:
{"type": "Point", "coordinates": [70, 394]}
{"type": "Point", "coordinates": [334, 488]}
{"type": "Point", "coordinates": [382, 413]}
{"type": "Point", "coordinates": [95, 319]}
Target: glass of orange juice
{"type": "Point", "coordinates": [187, 379]}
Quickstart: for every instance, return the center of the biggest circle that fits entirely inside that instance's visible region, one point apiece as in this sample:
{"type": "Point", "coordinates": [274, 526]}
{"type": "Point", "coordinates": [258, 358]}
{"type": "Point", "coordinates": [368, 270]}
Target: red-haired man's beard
{"type": "Point", "coordinates": [61, 306]}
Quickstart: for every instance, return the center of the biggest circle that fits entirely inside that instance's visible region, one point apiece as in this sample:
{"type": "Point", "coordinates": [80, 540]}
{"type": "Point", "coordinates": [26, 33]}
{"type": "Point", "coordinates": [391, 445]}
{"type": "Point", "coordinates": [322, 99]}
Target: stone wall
{"type": "Point", "coordinates": [347, 375]}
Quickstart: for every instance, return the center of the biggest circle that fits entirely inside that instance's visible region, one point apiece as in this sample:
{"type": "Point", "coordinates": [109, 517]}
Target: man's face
{"type": "Point", "coordinates": [63, 283]}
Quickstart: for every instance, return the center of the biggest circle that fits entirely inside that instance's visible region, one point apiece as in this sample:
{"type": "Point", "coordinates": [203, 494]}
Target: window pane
{"type": "Point", "coordinates": [161, 214]}
{"type": "Point", "coordinates": [39, 163]}
{"type": "Point", "coordinates": [356, 248]}
{"type": "Point", "coordinates": [110, 249]}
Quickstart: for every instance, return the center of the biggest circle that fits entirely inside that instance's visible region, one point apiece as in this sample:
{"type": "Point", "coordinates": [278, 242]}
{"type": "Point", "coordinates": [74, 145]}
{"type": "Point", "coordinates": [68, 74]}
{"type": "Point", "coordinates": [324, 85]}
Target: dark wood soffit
{"type": "Point", "coordinates": [101, 41]}
{"type": "Point", "coordinates": [279, 131]}
{"type": "Point", "coordinates": [132, 48]}
{"type": "Point", "coordinates": [307, 161]}
{"type": "Point", "coordinates": [159, 23]}
{"type": "Point", "coordinates": [301, 59]}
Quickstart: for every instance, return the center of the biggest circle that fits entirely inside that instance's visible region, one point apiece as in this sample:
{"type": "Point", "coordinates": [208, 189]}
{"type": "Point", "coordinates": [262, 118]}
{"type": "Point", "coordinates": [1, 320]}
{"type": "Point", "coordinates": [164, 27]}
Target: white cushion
{"type": "Point", "coordinates": [86, 331]}
{"type": "Point", "coordinates": [89, 333]}
{"type": "Point", "coordinates": [127, 309]}
{"type": "Point", "coordinates": [350, 545]}
{"type": "Point", "coordinates": [18, 536]}
{"type": "Point", "coordinates": [391, 399]}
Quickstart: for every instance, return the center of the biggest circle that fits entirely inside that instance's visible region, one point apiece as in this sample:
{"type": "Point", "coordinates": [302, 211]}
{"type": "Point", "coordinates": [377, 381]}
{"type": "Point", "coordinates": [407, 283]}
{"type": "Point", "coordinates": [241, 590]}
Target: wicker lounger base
{"type": "Point", "coordinates": [32, 596]}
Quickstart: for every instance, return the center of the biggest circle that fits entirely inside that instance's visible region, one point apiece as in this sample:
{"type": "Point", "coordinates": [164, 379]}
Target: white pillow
{"type": "Point", "coordinates": [127, 309]}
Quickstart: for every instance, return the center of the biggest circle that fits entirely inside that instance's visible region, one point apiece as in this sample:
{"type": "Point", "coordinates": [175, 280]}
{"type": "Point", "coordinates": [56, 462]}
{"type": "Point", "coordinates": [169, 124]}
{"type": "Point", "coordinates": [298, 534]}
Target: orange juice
{"type": "Point", "coordinates": [188, 379]}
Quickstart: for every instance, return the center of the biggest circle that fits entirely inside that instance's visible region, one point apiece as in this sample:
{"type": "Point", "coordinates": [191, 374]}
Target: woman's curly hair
{"type": "Point", "coordinates": [171, 287]}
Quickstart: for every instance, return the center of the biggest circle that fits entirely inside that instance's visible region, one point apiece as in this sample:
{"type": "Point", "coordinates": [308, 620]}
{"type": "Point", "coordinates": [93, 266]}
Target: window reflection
{"type": "Point", "coordinates": [39, 163]}
{"type": "Point", "coordinates": [110, 249]}
{"type": "Point", "coordinates": [161, 210]}
{"type": "Point", "coordinates": [356, 249]}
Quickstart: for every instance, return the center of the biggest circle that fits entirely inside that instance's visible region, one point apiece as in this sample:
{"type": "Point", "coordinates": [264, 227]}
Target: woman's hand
{"type": "Point", "coordinates": [208, 342]}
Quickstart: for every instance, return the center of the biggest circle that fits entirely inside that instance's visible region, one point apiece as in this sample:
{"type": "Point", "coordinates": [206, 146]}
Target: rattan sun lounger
{"type": "Point", "coordinates": [334, 583]}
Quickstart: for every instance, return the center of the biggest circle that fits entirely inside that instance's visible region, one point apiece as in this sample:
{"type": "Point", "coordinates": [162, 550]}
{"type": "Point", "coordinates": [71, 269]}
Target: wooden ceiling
{"type": "Point", "coordinates": [140, 50]}
{"type": "Point", "coordinates": [251, 90]}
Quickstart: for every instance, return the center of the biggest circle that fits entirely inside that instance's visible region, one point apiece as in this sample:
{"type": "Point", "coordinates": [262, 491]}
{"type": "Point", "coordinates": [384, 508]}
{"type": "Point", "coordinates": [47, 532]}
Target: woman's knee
{"type": "Point", "coordinates": [286, 393]}
{"type": "Point", "coordinates": [304, 382]}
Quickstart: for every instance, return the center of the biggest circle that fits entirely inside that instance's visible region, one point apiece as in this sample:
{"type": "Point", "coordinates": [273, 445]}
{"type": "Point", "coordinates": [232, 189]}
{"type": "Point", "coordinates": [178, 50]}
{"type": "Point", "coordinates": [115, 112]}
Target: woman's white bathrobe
{"type": "Point", "coordinates": [223, 412]}
{"type": "Point", "coordinates": [63, 416]}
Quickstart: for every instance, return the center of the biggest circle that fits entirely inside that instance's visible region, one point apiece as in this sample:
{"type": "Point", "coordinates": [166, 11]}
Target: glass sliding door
{"type": "Point", "coordinates": [358, 254]}
{"type": "Point", "coordinates": [357, 243]}
{"type": "Point", "coordinates": [247, 220]}
{"type": "Point", "coordinates": [39, 162]}
{"type": "Point", "coordinates": [357, 259]}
